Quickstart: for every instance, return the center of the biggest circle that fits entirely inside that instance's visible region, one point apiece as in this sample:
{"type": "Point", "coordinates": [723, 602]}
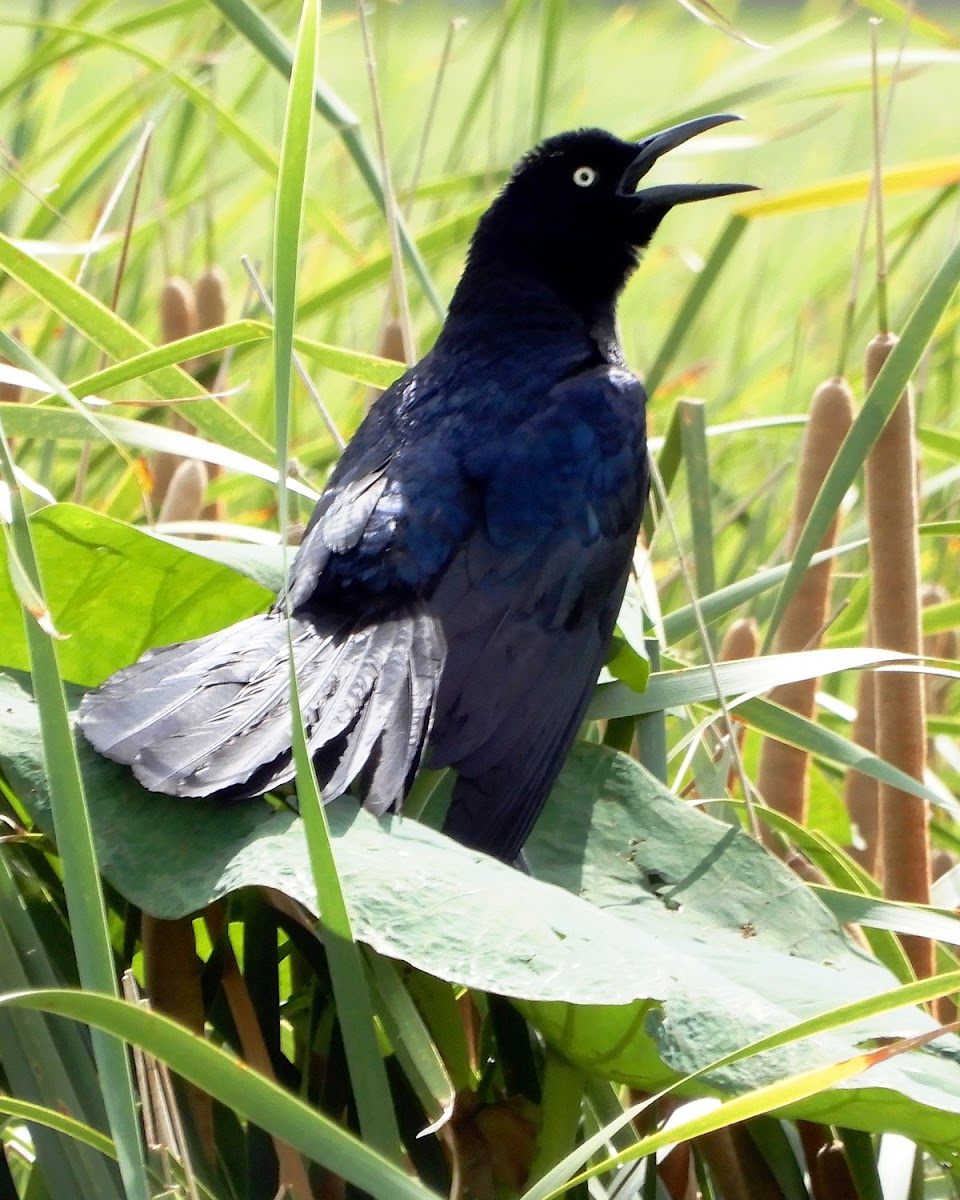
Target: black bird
{"type": "Point", "coordinates": [462, 572]}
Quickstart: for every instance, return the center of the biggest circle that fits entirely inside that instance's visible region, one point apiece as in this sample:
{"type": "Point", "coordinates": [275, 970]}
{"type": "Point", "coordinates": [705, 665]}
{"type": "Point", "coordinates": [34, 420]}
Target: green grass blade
{"type": "Point", "coordinates": [552, 12]}
{"type": "Point", "coordinates": [853, 908]}
{"type": "Point", "coordinates": [694, 300]}
{"type": "Point", "coordinates": [38, 1063]}
{"type": "Point", "coordinates": [59, 1122]}
{"type": "Point", "coordinates": [265, 39]}
{"type": "Point", "coordinates": [367, 369]}
{"type": "Point", "coordinates": [563, 1087]}
{"type": "Point", "coordinates": [693, 438]}
{"type": "Point", "coordinates": [63, 424]}
{"type": "Point", "coordinates": [81, 878]}
{"type": "Point", "coordinates": [232, 1082]}
{"type": "Point", "coordinates": [695, 685]}
{"type": "Point", "coordinates": [682, 622]}
{"type": "Point", "coordinates": [351, 992]}
{"type": "Point", "coordinates": [879, 404]}
{"type": "Point", "coordinates": [470, 108]}
{"type": "Point", "coordinates": [411, 1040]}
{"type": "Point", "coordinates": [118, 339]}
{"type": "Point", "coordinates": [288, 224]}
{"type": "Point", "coordinates": [788, 726]}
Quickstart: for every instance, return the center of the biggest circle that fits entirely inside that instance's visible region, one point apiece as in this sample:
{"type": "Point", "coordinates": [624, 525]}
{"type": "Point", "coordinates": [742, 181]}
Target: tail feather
{"type": "Point", "coordinates": [393, 660]}
{"type": "Point", "coordinates": [212, 716]}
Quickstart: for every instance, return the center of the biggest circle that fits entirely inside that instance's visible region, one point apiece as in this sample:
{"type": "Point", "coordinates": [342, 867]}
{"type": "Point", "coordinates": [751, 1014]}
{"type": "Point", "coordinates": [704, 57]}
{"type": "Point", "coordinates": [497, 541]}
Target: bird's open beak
{"type": "Point", "coordinates": [668, 194]}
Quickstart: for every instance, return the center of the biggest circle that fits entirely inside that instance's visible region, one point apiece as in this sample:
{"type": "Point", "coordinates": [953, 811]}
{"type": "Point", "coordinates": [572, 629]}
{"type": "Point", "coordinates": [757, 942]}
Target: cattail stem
{"type": "Point", "coordinates": [892, 513]}
{"type": "Point", "coordinates": [783, 771]}
{"type": "Point", "coordinates": [172, 978]}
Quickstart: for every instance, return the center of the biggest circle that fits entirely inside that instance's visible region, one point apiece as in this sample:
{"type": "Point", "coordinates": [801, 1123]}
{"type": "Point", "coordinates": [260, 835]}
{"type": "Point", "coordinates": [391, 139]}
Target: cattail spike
{"type": "Point", "coordinates": [893, 515]}
{"type": "Point", "coordinates": [186, 492]}
{"type": "Point", "coordinates": [783, 771]}
{"type": "Point", "coordinates": [742, 640]}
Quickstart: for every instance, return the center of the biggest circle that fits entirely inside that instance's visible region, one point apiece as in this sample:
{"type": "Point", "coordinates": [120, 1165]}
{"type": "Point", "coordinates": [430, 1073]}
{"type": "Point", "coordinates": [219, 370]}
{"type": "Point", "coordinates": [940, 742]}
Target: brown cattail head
{"type": "Point", "coordinates": [783, 771]}
{"type": "Point", "coordinates": [942, 644]}
{"type": "Point", "coordinates": [391, 341]}
{"type": "Point", "coordinates": [742, 640]}
{"type": "Point", "coordinates": [178, 319]}
{"type": "Point", "coordinates": [892, 515]}
{"type": "Point", "coordinates": [213, 299]}
{"type": "Point", "coordinates": [212, 292]}
{"type": "Point", "coordinates": [178, 310]}
{"type": "Point", "coordinates": [10, 393]}
{"type": "Point", "coordinates": [186, 492]}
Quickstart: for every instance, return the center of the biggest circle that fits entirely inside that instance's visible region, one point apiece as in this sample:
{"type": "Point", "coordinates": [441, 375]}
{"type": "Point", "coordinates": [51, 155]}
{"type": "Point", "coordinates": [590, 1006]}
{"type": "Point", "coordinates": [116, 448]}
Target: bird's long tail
{"type": "Point", "coordinates": [213, 715]}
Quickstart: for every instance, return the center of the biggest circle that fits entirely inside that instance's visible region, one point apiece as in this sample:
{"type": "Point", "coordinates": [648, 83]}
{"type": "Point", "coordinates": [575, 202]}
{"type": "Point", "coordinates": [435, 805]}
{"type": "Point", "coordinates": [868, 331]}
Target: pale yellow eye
{"type": "Point", "coordinates": [584, 176]}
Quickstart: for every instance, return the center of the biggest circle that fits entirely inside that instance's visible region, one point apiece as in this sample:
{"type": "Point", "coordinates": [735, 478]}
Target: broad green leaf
{"type": "Point", "coordinates": [686, 940]}
{"type": "Point", "coordinates": [114, 591]}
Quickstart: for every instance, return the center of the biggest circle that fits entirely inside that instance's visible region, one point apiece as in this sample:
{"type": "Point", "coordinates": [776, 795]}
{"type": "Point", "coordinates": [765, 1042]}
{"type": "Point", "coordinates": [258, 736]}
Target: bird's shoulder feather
{"type": "Point", "coordinates": [426, 475]}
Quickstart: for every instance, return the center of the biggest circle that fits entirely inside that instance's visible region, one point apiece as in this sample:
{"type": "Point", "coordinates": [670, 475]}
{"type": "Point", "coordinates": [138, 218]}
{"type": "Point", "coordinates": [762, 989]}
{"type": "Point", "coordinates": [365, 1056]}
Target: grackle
{"type": "Point", "coordinates": [461, 574]}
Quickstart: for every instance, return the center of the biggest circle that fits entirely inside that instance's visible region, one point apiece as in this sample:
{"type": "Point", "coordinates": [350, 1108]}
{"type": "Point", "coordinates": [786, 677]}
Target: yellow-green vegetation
{"type": "Point", "coordinates": [535, 1030]}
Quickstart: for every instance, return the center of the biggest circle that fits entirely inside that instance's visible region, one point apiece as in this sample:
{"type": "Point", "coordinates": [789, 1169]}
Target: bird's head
{"type": "Point", "coordinates": [572, 215]}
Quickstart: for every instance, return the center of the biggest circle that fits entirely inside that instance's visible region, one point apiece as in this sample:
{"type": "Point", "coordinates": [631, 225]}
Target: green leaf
{"type": "Point", "coordinates": [692, 685]}
{"type": "Point", "coordinates": [686, 939]}
{"type": "Point", "coordinates": [629, 661]}
{"type": "Point", "coordinates": [853, 908]}
{"type": "Point", "coordinates": [682, 622]}
{"type": "Point", "coordinates": [365, 368]}
{"type": "Point", "coordinates": [114, 591]}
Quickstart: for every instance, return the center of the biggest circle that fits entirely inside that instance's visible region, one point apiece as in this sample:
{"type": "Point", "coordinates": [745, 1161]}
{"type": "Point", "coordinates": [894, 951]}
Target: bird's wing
{"type": "Point", "coordinates": [529, 601]}
{"type": "Point", "coordinates": [386, 528]}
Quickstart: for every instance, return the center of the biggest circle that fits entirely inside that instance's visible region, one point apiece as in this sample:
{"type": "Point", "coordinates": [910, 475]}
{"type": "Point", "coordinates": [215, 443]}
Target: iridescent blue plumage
{"type": "Point", "coordinates": [462, 572]}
